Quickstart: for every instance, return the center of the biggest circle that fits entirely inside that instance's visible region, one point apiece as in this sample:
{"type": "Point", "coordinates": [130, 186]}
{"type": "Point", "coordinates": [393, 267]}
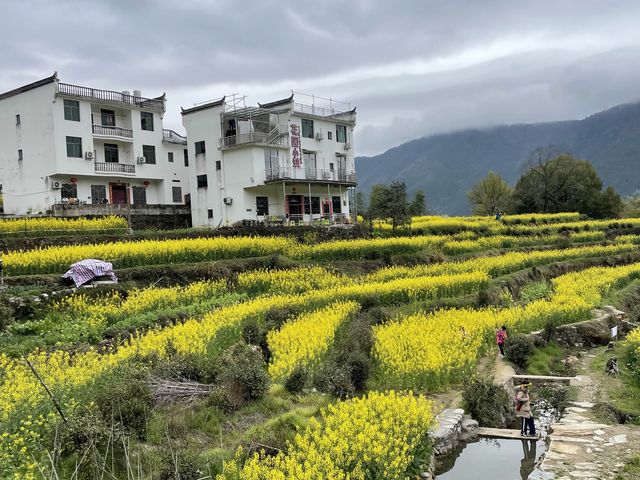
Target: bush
{"type": "Point", "coordinates": [197, 367]}
{"type": "Point", "coordinates": [124, 398]}
{"type": "Point", "coordinates": [296, 381]}
{"type": "Point", "coordinates": [489, 404]}
{"type": "Point", "coordinates": [242, 377]}
{"type": "Point", "coordinates": [180, 464]}
{"type": "Point", "coordinates": [518, 349]}
{"type": "Point", "coordinates": [6, 316]}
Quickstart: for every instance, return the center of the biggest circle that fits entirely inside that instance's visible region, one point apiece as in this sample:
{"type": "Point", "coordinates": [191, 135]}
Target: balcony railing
{"type": "Point", "coordinates": [111, 97]}
{"type": "Point", "coordinates": [309, 174]}
{"type": "Point", "coordinates": [277, 136]}
{"type": "Point", "coordinates": [113, 167]}
{"type": "Point", "coordinates": [112, 131]}
{"type": "Point", "coordinates": [173, 137]}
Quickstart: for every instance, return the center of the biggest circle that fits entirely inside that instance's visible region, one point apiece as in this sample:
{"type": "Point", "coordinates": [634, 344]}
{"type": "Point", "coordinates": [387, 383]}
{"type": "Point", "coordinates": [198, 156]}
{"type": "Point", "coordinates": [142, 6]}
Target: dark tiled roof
{"type": "Point", "coordinates": [277, 103]}
{"type": "Point", "coordinates": [204, 106]}
{"type": "Point", "coordinates": [31, 86]}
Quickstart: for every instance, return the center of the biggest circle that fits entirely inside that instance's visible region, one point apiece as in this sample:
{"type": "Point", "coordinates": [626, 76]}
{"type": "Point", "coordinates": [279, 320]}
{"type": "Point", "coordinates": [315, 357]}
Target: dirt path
{"type": "Point", "coordinates": [583, 447]}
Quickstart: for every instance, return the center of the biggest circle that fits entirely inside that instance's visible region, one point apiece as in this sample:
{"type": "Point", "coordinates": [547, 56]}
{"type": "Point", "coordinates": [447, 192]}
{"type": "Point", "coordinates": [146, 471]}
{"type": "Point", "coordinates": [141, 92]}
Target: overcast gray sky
{"type": "Point", "coordinates": [411, 67]}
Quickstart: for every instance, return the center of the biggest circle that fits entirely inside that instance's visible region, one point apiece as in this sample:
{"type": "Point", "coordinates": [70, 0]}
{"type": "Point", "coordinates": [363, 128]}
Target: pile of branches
{"type": "Point", "coordinates": [172, 390]}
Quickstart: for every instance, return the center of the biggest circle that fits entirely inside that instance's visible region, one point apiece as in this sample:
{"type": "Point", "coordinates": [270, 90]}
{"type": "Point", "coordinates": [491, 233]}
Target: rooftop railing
{"type": "Point", "coordinates": [173, 137]}
{"type": "Point", "coordinates": [111, 97]}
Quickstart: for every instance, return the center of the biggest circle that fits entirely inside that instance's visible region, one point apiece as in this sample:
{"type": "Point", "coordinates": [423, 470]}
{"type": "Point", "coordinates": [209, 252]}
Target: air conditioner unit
{"type": "Point", "coordinates": [56, 185]}
{"type": "Point", "coordinates": [140, 160]}
{"type": "Point", "coordinates": [88, 155]}
{"type": "Point", "coordinates": [227, 200]}
{"type": "Point", "coordinates": [319, 136]}
{"type": "Point", "coordinates": [347, 146]}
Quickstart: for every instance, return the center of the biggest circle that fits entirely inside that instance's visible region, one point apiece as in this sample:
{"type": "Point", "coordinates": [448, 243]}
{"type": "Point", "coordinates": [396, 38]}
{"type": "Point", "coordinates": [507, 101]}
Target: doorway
{"type": "Point", "coordinates": [295, 206]}
{"type": "Point", "coordinates": [118, 194]}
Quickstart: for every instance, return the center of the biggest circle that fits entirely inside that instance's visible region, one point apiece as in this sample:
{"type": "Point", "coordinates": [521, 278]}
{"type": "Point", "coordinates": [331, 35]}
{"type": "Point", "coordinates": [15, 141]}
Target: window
{"type": "Point", "coordinates": [69, 190]}
{"type": "Point", "coordinates": [149, 153]}
{"type": "Point", "coordinates": [108, 118]}
{"type": "Point", "coordinates": [314, 204]}
{"type": "Point", "coordinates": [18, 119]}
{"type": "Point", "coordinates": [218, 165]}
{"type": "Point", "coordinates": [139, 195]}
{"type": "Point", "coordinates": [111, 153]}
{"type": "Point", "coordinates": [271, 160]}
{"type": "Point", "coordinates": [200, 148]}
{"type": "Point", "coordinates": [331, 167]}
{"type": "Point", "coordinates": [310, 164]}
{"type": "Point", "coordinates": [262, 205]}
{"type": "Point", "coordinates": [341, 133]}
{"type": "Point", "coordinates": [210, 213]}
{"type": "Point", "coordinates": [177, 194]}
{"type": "Point", "coordinates": [307, 128]}
{"type": "Point", "coordinates": [98, 194]}
{"type": "Point", "coordinates": [170, 155]}
{"type": "Point", "coordinates": [202, 181]}
{"type": "Point", "coordinates": [186, 157]}
{"type": "Point", "coordinates": [72, 110]}
{"type": "Point", "coordinates": [337, 204]}
{"type": "Point", "coordinates": [146, 121]}
{"type": "Point", "coordinates": [20, 154]}
{"type": "Point", "coordinates": [74, 147]}
{"type": "Point", "coordinates": [329, 135]}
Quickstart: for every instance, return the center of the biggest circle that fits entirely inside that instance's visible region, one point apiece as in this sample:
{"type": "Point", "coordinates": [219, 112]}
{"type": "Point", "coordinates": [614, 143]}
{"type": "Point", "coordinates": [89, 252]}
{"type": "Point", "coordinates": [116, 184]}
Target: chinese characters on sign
{"type": "Point", "coordinates": [296, 158]}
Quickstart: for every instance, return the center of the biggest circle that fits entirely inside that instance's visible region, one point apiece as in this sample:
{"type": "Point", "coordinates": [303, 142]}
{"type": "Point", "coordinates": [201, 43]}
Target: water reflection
{"type": "Point", "coordinates": [491, 459]}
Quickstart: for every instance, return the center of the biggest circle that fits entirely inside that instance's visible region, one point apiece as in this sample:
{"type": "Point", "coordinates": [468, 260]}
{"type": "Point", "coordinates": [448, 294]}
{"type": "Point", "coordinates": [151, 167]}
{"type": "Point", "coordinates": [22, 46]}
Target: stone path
{"type": "Point", "coordinates": [581, 447]}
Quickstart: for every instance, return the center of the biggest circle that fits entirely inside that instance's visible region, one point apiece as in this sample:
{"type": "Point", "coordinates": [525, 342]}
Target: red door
{"type": "Point", "coordinates": [118, 194]}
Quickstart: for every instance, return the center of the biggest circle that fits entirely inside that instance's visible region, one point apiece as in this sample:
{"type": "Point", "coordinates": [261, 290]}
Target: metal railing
{"type": "Point", "coordinates": [112, 131]}
{"type": "Point", "coordinates": [309, 174]}
{"type": "Point", "coordinates": [173, 137]}
{"type": "Point", "coordinates": [111, 97]}
{"type": "Point", "coordinates": [113, 167]}
{"type": "Point", "coordinates": [318, 111]}
{"type": "Point", "coordinates": [277, 136]}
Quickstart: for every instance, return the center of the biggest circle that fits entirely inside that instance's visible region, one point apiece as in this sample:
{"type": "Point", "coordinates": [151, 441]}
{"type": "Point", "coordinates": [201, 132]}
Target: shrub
{"type": "Point", "coordinates": [180, 464]}
{"type": "Point", "coordinates": [6, 316]}
{"type": "Point", "coordinates": [489, 404]}
{"type": "Point", "coordinates": [198, 367]}
{"type": "Point", "coordinates": [242, 377]}
{"type": "Point", "coordinates": [296, 381]}
{"type": "Point", "coordinates": [518, 349]}
{"type": "Point", "coordinates": [124, 398]}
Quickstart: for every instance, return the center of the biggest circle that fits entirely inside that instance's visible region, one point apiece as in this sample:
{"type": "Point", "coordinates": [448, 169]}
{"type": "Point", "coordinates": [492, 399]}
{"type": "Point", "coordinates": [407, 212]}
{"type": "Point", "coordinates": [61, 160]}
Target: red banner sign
{"type": "Point", "coordinates": [296, 157]}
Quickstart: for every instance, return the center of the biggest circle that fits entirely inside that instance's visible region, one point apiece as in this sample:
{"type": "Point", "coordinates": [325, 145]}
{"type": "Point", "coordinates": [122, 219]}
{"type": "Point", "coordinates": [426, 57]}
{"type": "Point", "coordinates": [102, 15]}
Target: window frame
{"type": "Point", "coordinates": [96, 198]}
{"type": "Point", "coordinates": [146, 121]}
{"type": "Point", "coordinates": [210, 213]}
{"type": "Point", "coordinates": [336, 201]}
{"type": "Point", "coordinates": [177, 190]}
{"type": "Point", "coordinates": [69, 188]}
{"type": "Point", "coordinates": [18, 119]}
{"type": "Point", "coordinates": [138, 192]}
{"type": "Point", "coordinates": [262, 205]}
{"type": "Point", "coordinates": [329, 135]}
{"type": "Point", "coordinates": [111, 148]}
{"type": "Point", "coordinates": [149, 159]}
{"type": "Point", "coordinates": [202, 181]}
{"type": "Point", "coordinates": [70, 106]}
{"type": "Point", "coordinates": [170, 157]}
{"type": "Point", "coordinates": [186, 157]}
{"type": "Point", "coordinates": [105, 115]}
{"type": "Point", "coordinates": [70, 152]}
{"type": "Point", "coordinates": [200, 147]}
{"type": "Point", "coordinates": [20, 155]}
{"type": "Point", "coordinates": [341, 128]}
{"type": "Point", "coordinates": [308, 126]}
{"type": "Point", "coordinates": [218, 165]}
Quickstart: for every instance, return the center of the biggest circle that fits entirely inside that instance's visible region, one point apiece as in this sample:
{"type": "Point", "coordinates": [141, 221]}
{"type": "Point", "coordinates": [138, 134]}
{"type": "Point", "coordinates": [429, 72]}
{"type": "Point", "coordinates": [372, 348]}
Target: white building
{"type": "Point", "coordinates": [280, 162]}
{"type": "Point", "coordinates": [62, 143]}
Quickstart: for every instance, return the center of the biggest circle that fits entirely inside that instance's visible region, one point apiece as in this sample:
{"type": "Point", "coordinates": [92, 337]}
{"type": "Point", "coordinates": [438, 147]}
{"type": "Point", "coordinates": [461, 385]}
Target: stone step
{"type": "Point", "coordinates": [503, 433]}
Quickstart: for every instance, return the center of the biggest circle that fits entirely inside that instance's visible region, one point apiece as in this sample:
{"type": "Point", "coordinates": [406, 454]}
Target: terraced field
{"type": "Point", "coordinates": [320, 368]}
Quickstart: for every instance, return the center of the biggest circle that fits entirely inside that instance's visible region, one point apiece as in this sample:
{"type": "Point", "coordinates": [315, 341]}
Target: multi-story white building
{"type": "Point", "coordinates": [62, 143]}
{"type": "Point", "coordinates": [279, 162]}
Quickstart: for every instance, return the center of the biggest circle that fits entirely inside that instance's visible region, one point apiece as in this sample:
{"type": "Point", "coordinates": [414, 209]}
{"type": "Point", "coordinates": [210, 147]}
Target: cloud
{"type": "Point", "coordinates": [412, 67]}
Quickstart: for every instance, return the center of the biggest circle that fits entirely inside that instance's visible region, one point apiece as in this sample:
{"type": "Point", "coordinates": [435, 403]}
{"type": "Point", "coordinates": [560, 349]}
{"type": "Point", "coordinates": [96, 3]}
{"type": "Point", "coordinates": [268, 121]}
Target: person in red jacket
{"type": "Point", "coordinates": [501, 336]}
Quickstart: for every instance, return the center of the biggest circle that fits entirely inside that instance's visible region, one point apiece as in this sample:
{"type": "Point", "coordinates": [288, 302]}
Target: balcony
{"type": "Point", "coordinates": [278, 136]}
{"type": "Point", "coordinates": [110, 97]}
{"type": "Point", "coordinates": [313, 175]}
{"type": "Point", "coordinates": [112, 132]}
{"type": "Point", "coordinates": [113, 167]}
{"type": "Point", "coordinates": [170, 136]}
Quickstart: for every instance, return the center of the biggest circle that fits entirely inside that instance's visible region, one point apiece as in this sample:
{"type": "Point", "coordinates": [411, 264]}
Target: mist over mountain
{"type": "Point", "coordinates": [445, 166]}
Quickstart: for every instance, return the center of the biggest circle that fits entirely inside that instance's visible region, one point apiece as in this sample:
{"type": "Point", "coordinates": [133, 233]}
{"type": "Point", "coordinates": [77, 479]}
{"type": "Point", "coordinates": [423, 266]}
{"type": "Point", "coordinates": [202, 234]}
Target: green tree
{"type": "Point", "coordinates": [631, 207]}
{"type": "Point", "coordinates": [389, 202]}
{"type": "Point", "coordinates": [361, 203]}
{"type": "Point", "coordinates": [562, 183]}
{"type": "Point", "coordinates": [490, 195]}
{"type": "Point", "coordinates": [418, 206]}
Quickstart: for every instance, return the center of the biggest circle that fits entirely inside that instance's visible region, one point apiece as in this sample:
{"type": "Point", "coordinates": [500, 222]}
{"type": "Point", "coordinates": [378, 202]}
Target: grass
{"type": "Point", "coordinates": [622, 392]}
{"type": "Point", "coordinates": [549, 360]}
{"type": "Point", "coordinates": [631, 470]}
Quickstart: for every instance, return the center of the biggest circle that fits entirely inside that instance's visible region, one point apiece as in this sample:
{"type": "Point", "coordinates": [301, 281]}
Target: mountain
{"type": "Point", "coordinates": [446, 166]}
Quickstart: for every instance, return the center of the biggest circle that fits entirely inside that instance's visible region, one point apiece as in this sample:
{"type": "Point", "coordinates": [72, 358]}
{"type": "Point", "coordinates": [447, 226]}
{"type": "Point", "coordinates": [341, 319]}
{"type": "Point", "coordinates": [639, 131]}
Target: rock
{"type": "Point", "coordinates": [617, 439]}
{"type": "Point", "coordinates": [469, 423]}
{"type": "Point", "coordinates": [583, 404]}
{"type": "Point", "coordinates": [425, 475]}
{"type": "Point", "coordinates": [566, 448]}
